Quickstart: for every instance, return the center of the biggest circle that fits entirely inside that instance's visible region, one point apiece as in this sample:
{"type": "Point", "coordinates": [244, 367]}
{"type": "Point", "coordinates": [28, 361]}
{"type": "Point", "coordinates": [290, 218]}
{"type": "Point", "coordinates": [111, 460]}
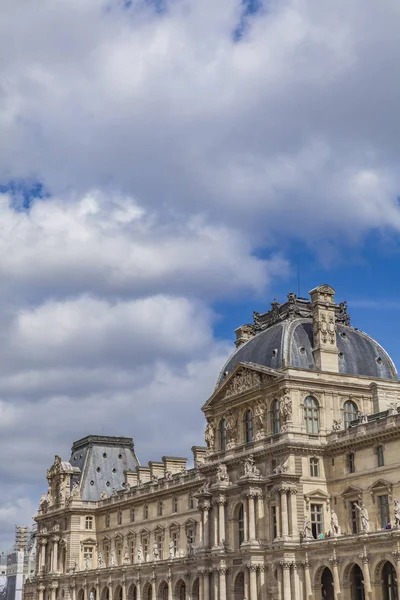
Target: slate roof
{"type": "Point", "coordinates": [289, 344]}
{"type": "Point", "coordinates": [102, 461]}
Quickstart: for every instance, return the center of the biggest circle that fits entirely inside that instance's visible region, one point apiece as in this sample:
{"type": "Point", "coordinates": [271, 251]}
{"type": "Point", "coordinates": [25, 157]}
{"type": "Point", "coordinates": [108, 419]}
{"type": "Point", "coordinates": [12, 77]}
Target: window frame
{"type": "Point", "coordinates": [314, 466]}
{"type": "Point", "coordinates": [384, 510]}
{"type": "Point", "coordinates": [248, 426]}
{"type": "Point", "coordinates": [351, 462]}
{"type": "Point", "coordinates": [89, 520]}
{"type": "Point", "coordinates": [317, 519]}
{"type": "Point", "coordinates": [240, 524]}
{"type": "Point", "coordinates": [107, 520]}
{"type": "Point", "coordinates": [276, 417]}
{"type": "Point", "coordinates": [175, 504]}
{"type": "Point", "coordinates": [380, 455]}
{"type": "Point", "coordinates": [222, 434]}
{"type": "Point", "coordinates": [160, 508]}
{"type": "Point", "coordinates": [349, 414]}
{"type": "Point", "coordinates": [311, 415]}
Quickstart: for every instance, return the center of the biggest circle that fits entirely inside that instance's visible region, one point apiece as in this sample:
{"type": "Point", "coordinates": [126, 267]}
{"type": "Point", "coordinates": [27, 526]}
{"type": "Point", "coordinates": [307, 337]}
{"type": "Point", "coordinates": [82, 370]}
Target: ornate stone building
{"type": "Point", "coordinates": [295, 494]}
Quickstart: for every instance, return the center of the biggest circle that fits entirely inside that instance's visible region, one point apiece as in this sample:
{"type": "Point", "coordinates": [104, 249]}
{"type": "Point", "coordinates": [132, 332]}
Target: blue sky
{"type": "Point", "coordinates": [164, 168]}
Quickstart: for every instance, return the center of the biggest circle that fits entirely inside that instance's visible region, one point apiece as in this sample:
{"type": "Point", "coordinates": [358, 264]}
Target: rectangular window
{"type": "Point", "coordinates": [132, 550]}
{"type": "Point", "coordinates": [119, 517]}
{"type": "Point", "coordinates": [174, 504]}
{"type": "Point", "coordinates": [316, 520]}
{"type": "Point", "coordinates": [160, 508]}
{"type": "Point", "coordinates": [132, 515]}
{"type": "Point", "coordinates": [107, 520]}
{"type": "Point", "coordinates": [88, 556]}
{"type": "Point", "coordinates": [314, 467]}
{"type": "Point", "coordinates": [107, 554]}
{"type": "Point", "coordinates": [146, 511]}
{"type": "Point", "coordinates": [145, 545]}
{"type": "Point", "coordinates": [354, 518]}
{"type": "Point", "coordinates": [89, 522]}
{"type": "Point", "coordinates": [351, 465]}
{"type": "Point", "coordinates": [274, 522]}
{"type": "Point", "coordinates": [190, 536]}
{"type": "Point", "coordinates": [384, 513]}
{"type": "Point", "coordinates": [119, 553]}
{"type": "Point", "coordinates": [159, 540]}
{"type": "Point", "coordinates": [380, 456]}
{"type": "Point", "coordinates": [175, 539]}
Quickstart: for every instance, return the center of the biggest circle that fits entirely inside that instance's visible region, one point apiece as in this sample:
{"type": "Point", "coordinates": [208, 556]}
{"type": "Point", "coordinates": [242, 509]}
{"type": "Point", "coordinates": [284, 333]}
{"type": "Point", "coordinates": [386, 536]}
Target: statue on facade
{"type": "Point", "coordinates": [140, 554]}
{"type": "Point", "coordinates": [154, 479]}
{"type": "Point", "coordinates": [396, 513]}
{"type": "Point", "coordinates": [100, 560]}
{"type": "Point", "coordinates": [172, 549]}
{"type": "Point", "coordinates": [307, 530]}
{"type": "Point", "coordinates": [222, 474]}
{"type": "Point", "coordinates": [114, 492]}
{"type": "Point", "coordinates": [75, 492]}
{"type": "Point", "coordinates": [103, 496]}
{"type": "Point", "coordinates": [205, 488]}
{"type": "Point", "coordinates": [282, 468]}
{"type": "Point", "coordinates": [156, 553]}
{"type": "Point", "coordinates": [335, 524]}
{"type": "Point", "coordinates": [250, 469]}
{"type": "Point", "coordinates": [91, 595]}
{"type": "Point", "coordinates": [337, 425]}
{"type": "Point", "coordinates": [364, 516]}
{"type": "Point", "coordinates": [113, 561]}
{"type": "Point", "coordinates": [168, 475]}
{"type": "Point", "coordinates": [259, 416]}
{"type": "Point", "coordinates": [231, 428]}
{"type": "Point", "coordinates": [87, 563]}
{"type": "Point", "coordinates": [127, 487]}
{"type": "Point", "coordinates": [392, 409]}
{"type": "Point", "coordinates": [210, 436]}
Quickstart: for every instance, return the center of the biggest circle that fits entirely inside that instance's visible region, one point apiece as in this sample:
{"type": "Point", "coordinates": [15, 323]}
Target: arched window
{"type": "Point", "coordinates": [248, 427]}
{"type": "Point", "coordinates": [222, 435]}
{"type": "Point", "coordinates": [311, 415]}
{"type": "Point", "coordinates": [241, 524]}
{"type": "Point", "coordinates": [276, 417]}
{"type": "Point", "coordinates": [349, 413]}
{"type": "Point", "coordinates": [182, 591]}
{"type": "Point", "coordinates": [389, 582]}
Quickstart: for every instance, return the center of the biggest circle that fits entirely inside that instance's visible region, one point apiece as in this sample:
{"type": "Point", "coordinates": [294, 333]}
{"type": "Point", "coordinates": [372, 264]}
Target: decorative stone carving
{"type": "Point", "coordinates": [335, 524]}
{"type": "Point", "coordinates": [232, 429]}
{"type": "Point", "coordinates": [156, 553]}
{"type": "Point", "coordinates": [222, 474]}
{"type": "Point", "coordinates": [114, 492]}
{"type": "Point", "coordinates": [285, 408]}
{"type": "Point", "coordinates": [100, 561]}
{"type": "Point", "coordinates": [103, 496]}
{"type": "Point", "coordinates": [259, 419]}
{"type": "Point", "coordinates": [364, 517]}
{"type": "Point", "coordinates": [171, 549]}
{"type": "Point", "coordinates": [392, 409]}
{"type": "Point", "coordinates": [282, 468]}
{"type": "Point", "coordinates": [126, 558]}
{"type": "Point", "coordinates": [307, 530]}
{"type": "Point", "coordinates": [113, 561]}
{"type": "Point", "coordinates": [250, 470]}
{"type": "Point", "coordinates": [396, 513]}
{"type": "Point", "coordinates": [337, 425]}
{"type": "Point", "coordinates": [140, 554]}
{"type": "Point", "coordinates": [75, 492]}
{"type": "Point", "coordinates": [205, 488]}
{"type": "Point", "coordinates": [154, 479]}
{"type": "Point", "coordinates": [168, 475]}
{"type": "Point", "coordinates": [127, 487]}
{"type": "Point", "coordinates": [88, 564]}
{"type": "Point", "coordinates": [242, 381]}
{"type": "Point", "coordinates": [210, 435]}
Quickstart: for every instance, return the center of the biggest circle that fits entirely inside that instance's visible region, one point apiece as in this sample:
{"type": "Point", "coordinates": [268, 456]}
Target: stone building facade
{"type": "Point", "coordinates": [295, 494]}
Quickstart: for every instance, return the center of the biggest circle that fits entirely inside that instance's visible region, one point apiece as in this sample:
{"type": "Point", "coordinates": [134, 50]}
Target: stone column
{"type": "Point", "coordinates": [206, 526]}
{"type": "Point", "coordinates": [260, 517]}
{"type": "Point", "coordinates": [296, 581]}
{"type": "Point", "coordinates": [169, 579]}
{"type": "Point", "coordinates": [222, 583]}
{"type": "Point", "coordinates": [97, 590]}
{"type": "Point", "coordinates": [307, 579]}
{"type": "Point", "coordinates": [54, 558]}
{"type": "Point", "coordinates": [215, 524]}
{"type": "Point", "coordinates": [245, 520]}
{"type": "Point", "coordinates": [201, 585]}
{"type": "Point", "coordinates": [263, 591]}
{"type": "Point", "coordinates": [221, 509]}
{"type": "Point", "coordinates": [73, 592]}
{"type": "Point", "coordinates": [284, 513]}
{"type": "Point", "coordinates": [253, 581]}
{"type": "Point", "coordinates": [53, 590]}
{"type": "Point", "coordinates": [367, 578]}
{"type": "Point", "coordinates": [153, 587]}
{"type": "Point", "coordinates": [215, 584]}
{"type": "Point", "coordinates": [138, 589]}
{"type": "Point", "coordinates": [123, 585]}
{"type": "Point", "coordinates": [206, 586]}
{"type": "Point", "coordinates": [335, 575]}
{"type": "Point", "coordinates": [246, 584]}
{"type": "Point", "coordinates": [286, 585]}
{"type": "Point", "coordinates": [252, 518]}
{"type": "Point", "coordinates": [42, 564]}
{"type": "Point", "coordinates": [278, 519]}
{"type": "Point", "coordinates": [40, 590]}
{"type": "Point", "coordinates": [396, 556]}
{"type": "Point", "coordinates": [294, 531]}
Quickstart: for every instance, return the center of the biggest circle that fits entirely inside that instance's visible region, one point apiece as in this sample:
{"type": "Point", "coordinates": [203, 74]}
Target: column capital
{"type": "Point", "coordinates": [285, 564]}
{"type": "Point", "coordinates": [252, 567]}
{"type": "Point", "coordinates": [222, 570]}
{"type": "Point", "coordinates": [41, 588]}
{"type": "Point", "coordinates": [334, 561]}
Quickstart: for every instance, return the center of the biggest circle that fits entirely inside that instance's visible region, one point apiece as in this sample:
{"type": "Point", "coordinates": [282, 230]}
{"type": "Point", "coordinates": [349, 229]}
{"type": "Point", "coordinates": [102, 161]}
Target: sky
{"type": "Point", "coordinates": [166, 168]}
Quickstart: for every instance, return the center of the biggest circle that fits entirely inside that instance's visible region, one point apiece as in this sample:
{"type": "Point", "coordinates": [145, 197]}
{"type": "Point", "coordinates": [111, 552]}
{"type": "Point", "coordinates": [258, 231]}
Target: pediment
{"type": "Point", "coordinates": [144, 531]}
{"type": "Point", "coordinates": [352, 490]}
{"type": "Point", "coordinates": [159, 529]}
{"type": "Point", "coordinates": [190, 523]}
{"type": "Point", "coordinates": [118, 536]}
{"type": "Point", "coordinates": [379, 485]}
{"type": "Point", "coordinates": [106, 538]}
{"type": "Point", "coordinates": [89, 541]}
{"type": "Point", "coordinates": [243, 378]}
{"type": "Point", "coordinates": [174, 525]}
{"type": "Point", "coordinates": [317, 493]}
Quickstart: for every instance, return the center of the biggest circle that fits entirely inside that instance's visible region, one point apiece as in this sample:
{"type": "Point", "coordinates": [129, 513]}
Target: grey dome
{"type": "Point", "coordinates": [289, 343]}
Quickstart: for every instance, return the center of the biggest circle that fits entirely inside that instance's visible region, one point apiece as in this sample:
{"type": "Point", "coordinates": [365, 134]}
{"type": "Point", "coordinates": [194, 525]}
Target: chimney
{"type": "Point", "coordinates": [324, 328]}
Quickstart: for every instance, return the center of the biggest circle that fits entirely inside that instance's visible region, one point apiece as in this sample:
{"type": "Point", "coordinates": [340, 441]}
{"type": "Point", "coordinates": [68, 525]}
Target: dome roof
{"type": "Point", "coordinates": [286, 340]}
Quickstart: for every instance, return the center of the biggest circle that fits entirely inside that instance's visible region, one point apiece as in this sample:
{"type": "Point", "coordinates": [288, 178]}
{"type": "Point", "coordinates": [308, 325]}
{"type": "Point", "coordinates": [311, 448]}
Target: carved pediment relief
{"type": "Point", "coordinates": [242, 381]}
